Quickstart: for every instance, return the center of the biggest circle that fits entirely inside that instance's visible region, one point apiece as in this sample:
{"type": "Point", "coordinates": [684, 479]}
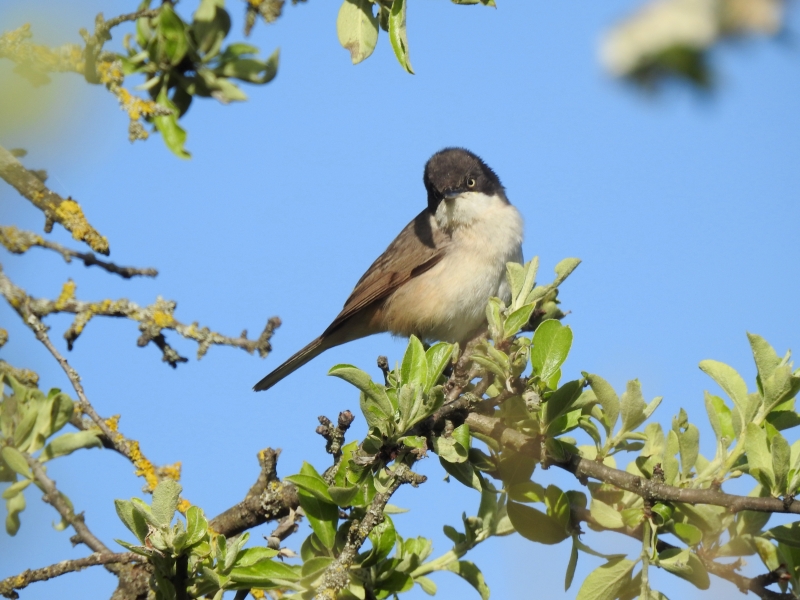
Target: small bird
{"type": "Point", "coordinates": [435, 278]}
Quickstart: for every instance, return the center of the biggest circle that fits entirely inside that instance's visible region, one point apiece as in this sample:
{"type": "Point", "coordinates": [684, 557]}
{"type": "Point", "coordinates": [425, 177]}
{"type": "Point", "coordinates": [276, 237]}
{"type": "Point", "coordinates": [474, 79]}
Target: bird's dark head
{"type": "Point", "coordinates": [454, 171]}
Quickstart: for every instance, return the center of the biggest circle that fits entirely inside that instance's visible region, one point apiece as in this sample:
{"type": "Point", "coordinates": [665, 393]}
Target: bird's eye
{"type": "Point", "coordinates": [471, 182]}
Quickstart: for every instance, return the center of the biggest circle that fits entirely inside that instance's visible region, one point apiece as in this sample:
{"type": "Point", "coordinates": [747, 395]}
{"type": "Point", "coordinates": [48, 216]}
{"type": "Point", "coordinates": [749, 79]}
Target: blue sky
{"type": "Point", "coordinates": [683, 209]}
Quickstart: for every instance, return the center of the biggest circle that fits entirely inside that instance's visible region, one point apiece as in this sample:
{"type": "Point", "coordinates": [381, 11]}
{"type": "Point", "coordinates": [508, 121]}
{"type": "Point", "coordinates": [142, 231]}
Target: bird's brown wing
{"type": "Point", "coordinates": [418, 247]}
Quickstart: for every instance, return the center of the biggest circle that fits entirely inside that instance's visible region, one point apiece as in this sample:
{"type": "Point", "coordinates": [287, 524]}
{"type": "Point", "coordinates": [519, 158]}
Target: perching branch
{"type": "Point", "coordinates": [19, 242]}
{"type": "Point", "coordinates": [152, 319]}
{"type": "Point", "coordinates": [9, 585]}
{"type": "Point", "coordinates": [56, 209]}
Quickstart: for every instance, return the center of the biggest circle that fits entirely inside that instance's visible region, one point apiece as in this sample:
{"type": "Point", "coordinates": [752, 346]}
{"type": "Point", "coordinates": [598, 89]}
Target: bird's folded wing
{"type": "Point", "coordinates": [419, 247]}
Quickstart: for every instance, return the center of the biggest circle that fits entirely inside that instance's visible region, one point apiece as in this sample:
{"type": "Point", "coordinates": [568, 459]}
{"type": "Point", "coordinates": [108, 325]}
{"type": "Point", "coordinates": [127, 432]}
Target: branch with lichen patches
{"type": "Point", "coordinates": [56, 209]}
{"type": "Point", "coordinates": [9, 585]}
{"type": "Point", "coordinates": [19, 242]}
{"type": "Point", "coordinates": [35, 61]}
{"type": "Point", "coordinates": [152, 319]}
{"type": "Point", "coordinates": [337, 574]}
{"type": "Point", "coordinates": [111, 436]}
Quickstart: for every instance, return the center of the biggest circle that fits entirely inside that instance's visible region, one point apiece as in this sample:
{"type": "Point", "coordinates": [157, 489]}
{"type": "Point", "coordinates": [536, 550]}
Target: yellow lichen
{"type": "Point", "coordinates": [17, 241]}
{"type": "Point", "coordinates": [144, 468]}
{"type": "Point", "coordinates": [258, 594]}
{"type": "Point", "coordinates": [163, 319]}
{"type": "Point", "coordinates": [183, 506]}
{"type": "Point", "coordinates": [113, 423]}
{"type": "Point", "coordinates": [70, 215]}
{"type": "Point", "coordinates": [172, 471]}
{"type": "Point", "coordinates": [67, 294]}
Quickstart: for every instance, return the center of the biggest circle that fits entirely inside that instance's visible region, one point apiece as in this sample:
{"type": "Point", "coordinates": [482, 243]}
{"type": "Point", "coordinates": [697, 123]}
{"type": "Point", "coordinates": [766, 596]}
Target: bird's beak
{"type": "Point", "coordinates": [452, 194]}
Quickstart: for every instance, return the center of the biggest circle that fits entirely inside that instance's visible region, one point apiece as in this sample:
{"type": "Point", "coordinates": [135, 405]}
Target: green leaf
{"type": "Point", "coordinates": [174, 135]}
{"type": "Point", "coordinates": [781, 457]}
{"type": "Point", "coordinates": [322, 516]}
{"type": "Point", "coordinates": [688, 533]}
{"type": "Point", "coordinates": [16, 461]}
{"type": "Point", "coordinates": [210, 26]}
{"type": "Point", "coordinates": [607, 398]}
{"type": "Point", "coordinates": [526, 491]}
{"type": "Point", "coordinates": [67, 443]}
{"type": "Point", "coordinates": [132, 519]}
{"type": "Point", "coordinates": [767, 360]}
{"type": "Point", "coordinates": [573, 563]}
{"type": "Point", "coordinates": [495, 319]}
{"type": "Point", "coordinates": [605, 582]}
{"type": "Point", "coordinates": [759, 458]}
{"type": "Point", "coordinates": [633, 406]}
{"type": "Point", "coordinates": [779, 387]}
{"type": "Point", "coordinates": [196, 525]}
{"type": "Point", "coordinates": [785, 534]}
{"type": "Point", "coordinates": [16, 488]}
{"type": "Point", "coordinates": [729, 380]}
{"type": "Point", "coordinates": [414, 368]}
{"type": "Point", "coordinates": [562, 400]}
{"type": "Point", "coordinates": [605, 515]}
{"type": "Point", "coordinates": [721, 420]}
{"type": "Point", "coordinates": [382, 538]}
{"type": "Point", "coordinates": [343, 496]}
{"type": "Point", "coordinates": [397, 33]}
{"type": "Point", "coordinates": [517, 320]}
{"type": "Point", "coordinates": [61, 411]}
{"type": "Point", "coordinates": [165, 501]}
{"type": "Point", "coordinates": [551, 344]}
{"type": "Point", "coordinates": [14, 506]}
{"type": "Point", "coordinates": [427, 585]}
{"type": "Point", "coordinates": [686, 565]}
{"type": "Point", "coordinates": [564, 269]}
{"type": "Point", "coordinates": [521, 279]}
{"type": "Point", "coordinates": [250, 556]}
{"type": "Point", "coordinates": [472, 575]}
{"type": "Point", "coordinates": [265, 574]}
{"type": "Point", "coordinates": [357, 28]}
{"type": "Point", "coordinates": [375, 393]}
{"type": "Point", "coordinates": [438, 357]}
{"type": "Point", "coordinates": [463, 473]}
{"type": "Point", "coordinates": [172, 42]}
{"type": "Point", "coordinates": [311, 481]}
{"type": "Point", "coordinates": [535, 525]}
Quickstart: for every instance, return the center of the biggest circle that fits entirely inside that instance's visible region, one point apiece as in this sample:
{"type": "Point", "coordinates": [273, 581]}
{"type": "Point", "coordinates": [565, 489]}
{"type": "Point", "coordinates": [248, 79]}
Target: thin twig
{"type": "Point", "coordinates": [152, 319]}
{"type": "Point", "coordinates": [24, 579]}
{"type": "Point", "coordinates": [54, 498]}
{"type": "Point", "coordinates": [19, 242]}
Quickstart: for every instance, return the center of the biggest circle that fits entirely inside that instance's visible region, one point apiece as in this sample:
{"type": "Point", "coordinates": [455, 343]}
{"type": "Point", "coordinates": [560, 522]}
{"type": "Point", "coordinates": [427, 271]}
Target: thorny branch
{"type": "Point", "coordinates": [152, 319]}
{"type": "Point", "coordinates": [9, 585]}
{"type": "Point", "coordinates": [56, 209]}
{"type": "Point", "coordinates": [19, 242]}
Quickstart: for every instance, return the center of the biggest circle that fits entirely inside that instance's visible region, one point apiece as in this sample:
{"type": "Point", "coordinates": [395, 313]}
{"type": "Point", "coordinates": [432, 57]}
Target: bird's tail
{"type": "Point", "coordinates": [300, 358]}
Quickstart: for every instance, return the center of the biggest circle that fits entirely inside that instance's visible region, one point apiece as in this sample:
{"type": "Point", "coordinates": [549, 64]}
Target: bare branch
{"type": "Point", "coordinates": [24, 579]}
{"type": "Point", "coordinates": [152, 319]}
{"type": "Point", "coordinates": [56, 209]}
{"type": "Point", "coordinates": [268, 499]}
{"type": "Point", "coordinates": [55, 499]}
{"type": "Point", "coordinates": [19, 242]}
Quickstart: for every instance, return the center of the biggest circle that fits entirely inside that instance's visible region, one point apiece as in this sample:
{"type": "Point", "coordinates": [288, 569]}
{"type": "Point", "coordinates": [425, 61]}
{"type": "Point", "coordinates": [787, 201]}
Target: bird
{"type": "Point", "coordinates": [435, 279]}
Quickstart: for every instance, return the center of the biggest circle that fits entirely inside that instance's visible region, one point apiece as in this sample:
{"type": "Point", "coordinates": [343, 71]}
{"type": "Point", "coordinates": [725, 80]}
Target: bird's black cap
{"type": "Point", "coordinates": [455, 170]}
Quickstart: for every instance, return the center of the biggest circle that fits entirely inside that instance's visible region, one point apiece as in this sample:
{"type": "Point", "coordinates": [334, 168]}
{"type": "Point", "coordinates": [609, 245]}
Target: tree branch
{"type": "Point", "coordinates": [336, 575]}
{"type": "Point", "coordinates": [649, 489]}
{"type": "Point", "coordinates": [24, 579]}
{"type": "Point", "coordinates": [268, 499]}
{"type": "Point", "coordinates": [19, 242]}
{"type": "Point", "coordinates": [55, 499]}
{"type": "Point", "coordinates": [152, 319]}
{"type": "Point", "coordinates": [56, 209]}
